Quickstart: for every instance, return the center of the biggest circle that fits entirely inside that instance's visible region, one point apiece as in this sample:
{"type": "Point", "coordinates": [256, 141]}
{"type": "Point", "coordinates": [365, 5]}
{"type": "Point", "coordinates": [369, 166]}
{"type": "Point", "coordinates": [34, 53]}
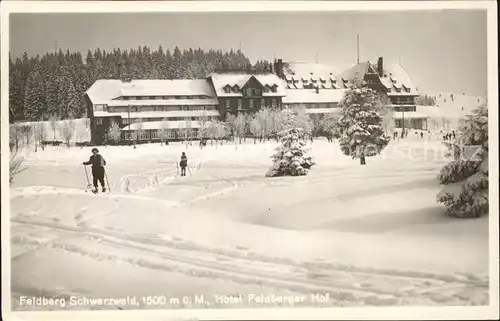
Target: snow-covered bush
{"type": "Point", "coordinates": [15, 165]}
{"type": "Point", "coordinates": [466, 177]}
{"type": "Point", "coordinates": [15, 136]}
{"type": "Point", "coordinates": [68, 129]}
{"type": "Point", "coordinates": [114, 132]}
{"type": "Point", "coordinates": [40, 134]}
{"type": "Point", "coordinates": [290, 158]}
{"type": "Point", "coordinates": [359, 127]}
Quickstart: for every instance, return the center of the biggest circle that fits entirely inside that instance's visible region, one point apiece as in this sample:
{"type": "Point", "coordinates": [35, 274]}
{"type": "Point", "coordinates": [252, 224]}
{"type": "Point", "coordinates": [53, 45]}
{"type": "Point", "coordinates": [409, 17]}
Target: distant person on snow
{"type": "Point", "coordinates": [421, 135]}
{"type": "Point", "coordinates": [183, 164]}
{"type": "Point", "coordinates": [98, 162]}
{"type": "Point", "coordinates": [453, 133]}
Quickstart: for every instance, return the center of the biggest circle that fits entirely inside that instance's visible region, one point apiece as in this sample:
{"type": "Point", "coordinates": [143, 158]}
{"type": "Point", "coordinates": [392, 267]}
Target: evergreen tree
{"type": "Point", "coordinates": [290, 158]}
{"type": "Point", "coordinates": [33, 99]}
{"type": "Point", "coordinates": [466, 177]}
{"type": "Point", "coordinates": [359, 128]}
{"type": "Point", "coordinates": [114, 132]}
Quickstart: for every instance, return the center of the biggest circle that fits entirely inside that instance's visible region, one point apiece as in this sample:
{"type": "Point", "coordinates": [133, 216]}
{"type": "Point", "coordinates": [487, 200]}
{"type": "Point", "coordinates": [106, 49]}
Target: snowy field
{"type": "Point", "coordinates": [364, 235]}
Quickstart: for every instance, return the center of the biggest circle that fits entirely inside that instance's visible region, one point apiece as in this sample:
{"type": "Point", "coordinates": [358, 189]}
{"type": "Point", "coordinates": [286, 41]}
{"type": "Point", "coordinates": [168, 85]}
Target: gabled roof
{"type": "Point", "coordinates": [311, 96]}
{"type": "Point", "coordinates": [105, 91]}
{"type": "Point", "coordinates": [356, 71]}
{"type": "Point", "coordinates": [401, 78]}
{"type": "Point", "coordinates": [394, 76]}
{"type": "Point", "coordinates": [220, 80]}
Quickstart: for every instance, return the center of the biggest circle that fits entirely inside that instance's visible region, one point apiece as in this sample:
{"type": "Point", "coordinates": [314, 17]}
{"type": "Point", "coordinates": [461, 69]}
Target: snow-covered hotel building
{"type": "Point", "coordinates": [244, 92]}
{"type": "Point", "coordinates": [147, 105]}
{"type": "Point", "coordinates": [312, 86]}
{"type": "Point", "coordinates": [394, 82]}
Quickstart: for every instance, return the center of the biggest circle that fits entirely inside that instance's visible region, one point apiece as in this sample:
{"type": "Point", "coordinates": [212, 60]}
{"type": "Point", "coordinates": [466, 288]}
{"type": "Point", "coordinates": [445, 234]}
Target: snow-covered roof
{"type": "Point", "coordinates": [394, 76]}
{"type": "Point", "coordinates": [159, 114]}
{"type": "Point", "coordinates": [311, 96]}
{"type": "Point", "coordinates": [173, 87]}
{"type": "Point", "coordinates": [221, 80]}
{"type": "Point", "coordinates": [321, 75]}
{"type": "Point", "coordinates": [163, 102]}
{"type": "Point", "coordinates": [409, 115]}
{"type": "Point", "coordinates": [152, 125]}
{"type": "Point", "coordinates": [399, 77]}
{"type": "Point", "coordinates": [356, 71]}
{"type": "Point", "coordinates": [103, 91]}
{"type": "Point", "coordinates": [311, 71]}
{"type": "Point", "coordinates": [334, 110]}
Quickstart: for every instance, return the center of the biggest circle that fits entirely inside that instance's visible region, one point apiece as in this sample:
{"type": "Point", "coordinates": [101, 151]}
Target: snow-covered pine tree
{"type": "Point", "coordinates": [359, 128]}
{"type": "Point", "coordinates": [33, 99]}
{"type": "Point", "coordinates": [290, 158]}
{"type": "Point", "coordinates": [466, 177]}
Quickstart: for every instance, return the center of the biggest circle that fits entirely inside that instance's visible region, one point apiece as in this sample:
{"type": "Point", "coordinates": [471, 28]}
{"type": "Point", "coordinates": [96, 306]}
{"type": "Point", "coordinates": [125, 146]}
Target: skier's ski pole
{"type": "Point", "coordinates": [189, 170]}
{"type": "Point", "coordinates": [87, 176]}
{"type": "Point", "coordinates": [107, 181]}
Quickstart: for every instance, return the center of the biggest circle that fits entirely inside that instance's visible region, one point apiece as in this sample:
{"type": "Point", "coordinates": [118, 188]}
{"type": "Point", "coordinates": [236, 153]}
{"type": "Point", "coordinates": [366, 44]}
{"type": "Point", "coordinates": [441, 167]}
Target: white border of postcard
{"type": "Point", "coordinates": [399, 313]}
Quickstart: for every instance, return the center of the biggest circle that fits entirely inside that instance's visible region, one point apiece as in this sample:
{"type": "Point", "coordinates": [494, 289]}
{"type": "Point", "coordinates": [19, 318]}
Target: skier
{"type": "Point", "coordinates": [98, 162]}
{"type": "Point", "coordinates": [183, 164]}
{"type": "Point", "coordinates": [453, 133]}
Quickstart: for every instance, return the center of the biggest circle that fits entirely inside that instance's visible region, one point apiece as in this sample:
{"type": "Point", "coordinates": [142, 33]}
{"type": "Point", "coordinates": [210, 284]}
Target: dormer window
{"type": "Point", "coordinates": [274, 88]}
{"type": "Point", "coordinates": [227, 89]}
{"type": "Point", "coordinates": [236, 89]}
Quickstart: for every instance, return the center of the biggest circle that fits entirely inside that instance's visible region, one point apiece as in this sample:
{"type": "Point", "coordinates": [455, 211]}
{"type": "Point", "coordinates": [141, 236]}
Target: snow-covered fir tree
{"type": "Point", "coordinates": [466, 177]}
{"type": "Point", "coordinates": [290, 158]}
{"type": "Point", "coordinates": [359, 127]}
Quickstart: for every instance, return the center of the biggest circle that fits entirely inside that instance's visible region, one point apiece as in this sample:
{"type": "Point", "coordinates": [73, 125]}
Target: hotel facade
{"type": "Point", "coordinates": [141, 108]}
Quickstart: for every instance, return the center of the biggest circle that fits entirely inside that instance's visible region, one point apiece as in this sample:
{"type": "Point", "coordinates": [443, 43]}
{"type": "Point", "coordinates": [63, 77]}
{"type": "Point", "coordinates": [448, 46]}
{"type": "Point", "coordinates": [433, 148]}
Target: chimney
{"type": "Point", "coordinates": [278, 68]}
{"type": "Point", "coordinates": [380, 67]}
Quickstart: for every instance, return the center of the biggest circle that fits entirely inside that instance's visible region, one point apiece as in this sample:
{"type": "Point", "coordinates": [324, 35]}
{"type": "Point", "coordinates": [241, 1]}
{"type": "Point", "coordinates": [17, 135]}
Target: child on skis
{"type": "Point", "coordinates": [183, 164]}
{"type": "Point", "coordinates": [98, 162]}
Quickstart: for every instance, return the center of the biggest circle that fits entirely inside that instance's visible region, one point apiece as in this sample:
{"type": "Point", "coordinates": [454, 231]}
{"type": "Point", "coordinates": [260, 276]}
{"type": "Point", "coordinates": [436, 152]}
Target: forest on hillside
{"type": "Point", "coordinates": [53, 85]}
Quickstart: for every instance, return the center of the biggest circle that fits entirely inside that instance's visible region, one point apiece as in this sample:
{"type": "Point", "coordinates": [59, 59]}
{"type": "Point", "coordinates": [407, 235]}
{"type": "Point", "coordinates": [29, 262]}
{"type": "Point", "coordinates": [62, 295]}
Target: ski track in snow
{"type": "Point", "coordinates": [356, 285]}
{"type": "Point", "coordinates": [348, 285]}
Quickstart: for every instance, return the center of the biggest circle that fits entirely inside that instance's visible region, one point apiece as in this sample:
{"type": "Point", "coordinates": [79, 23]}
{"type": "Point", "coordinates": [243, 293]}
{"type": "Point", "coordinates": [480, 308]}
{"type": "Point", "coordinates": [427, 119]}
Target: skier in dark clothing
{"type": "Point", "coordinates": [453, 133]}
{"type": "Point", "coordinates": [421, 135]}
{"type": "Point", "coordinates": [183, 164]}
{"type": "Point", "coordinates": [98, 162]}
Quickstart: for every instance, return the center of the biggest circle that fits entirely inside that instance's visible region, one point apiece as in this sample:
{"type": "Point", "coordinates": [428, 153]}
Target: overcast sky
{"type": "Point", "coordinates": [443, 51]}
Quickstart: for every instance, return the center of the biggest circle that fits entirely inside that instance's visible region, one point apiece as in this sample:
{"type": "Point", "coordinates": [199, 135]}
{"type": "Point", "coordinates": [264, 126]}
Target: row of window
{"type": "Point", "coordinates": [124, 109]}
{"type": "Point", "coordinates": [313, 81]}
{"type": "Point", "coordinates": [406, 108]}
{"type": "Point", "coordinates": [154, 134]}
{"type": "Point", "coordinates": [251, 91]}
{"type": "Point", "coordinates": [127, 121]}
{"type": "Point", "coordinates": [314, 105]}
{"type": "Point", "coordinates": [403, 100]}
{"type": "Point", "coordinates": [398, 90]}
{"type": "Point", "coordinates": [162, 97]}
{"type": "Point", "coordinates": [273, 103]}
